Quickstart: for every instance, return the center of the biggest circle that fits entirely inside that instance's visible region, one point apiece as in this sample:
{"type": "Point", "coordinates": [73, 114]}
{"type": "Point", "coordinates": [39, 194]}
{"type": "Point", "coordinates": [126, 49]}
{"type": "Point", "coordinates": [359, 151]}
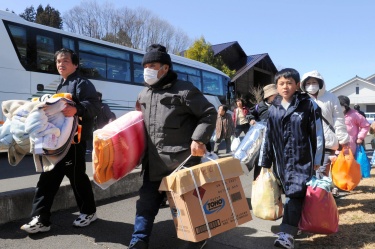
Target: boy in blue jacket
{"type": "Point", "coordinates": [294, 144]}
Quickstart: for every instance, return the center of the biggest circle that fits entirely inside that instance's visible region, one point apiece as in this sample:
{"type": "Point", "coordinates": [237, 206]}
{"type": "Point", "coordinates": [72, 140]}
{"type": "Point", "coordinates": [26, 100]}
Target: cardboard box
{"type": "Point", "coordinates": [190, 215]}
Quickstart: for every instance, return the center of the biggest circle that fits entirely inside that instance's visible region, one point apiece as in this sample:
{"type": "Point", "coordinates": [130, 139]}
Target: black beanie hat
{"type": "Point", "coordinates": [344, 101]}
{"type": "Point", "coordinates": [157, 53]}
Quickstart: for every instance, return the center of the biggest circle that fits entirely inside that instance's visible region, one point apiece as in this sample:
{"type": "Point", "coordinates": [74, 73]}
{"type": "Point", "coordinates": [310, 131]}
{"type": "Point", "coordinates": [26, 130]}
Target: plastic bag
{"type": "Point", "coordinates": [211, 155]}
{"type": "Point", "coordinates": [319, 211]}
{"type": "Point", "coordinates": [235, 143]}
{"type": "Point", "coordinates": [361, 158]}
{"type": "Point", "coordinates": [346, 172]}
{"type": "Point", "coordinates": [266, 196]}
{"type": "Point", "coordinates": [249, 149]}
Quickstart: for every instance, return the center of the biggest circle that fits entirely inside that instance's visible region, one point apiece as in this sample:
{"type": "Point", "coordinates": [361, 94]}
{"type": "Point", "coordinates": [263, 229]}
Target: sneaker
{"type": "Point", "coordinates": [84, 220]}
{"type": "Point", "coordinates": [140, 244]}
{"type": "Point", "coordinates": [194, 245]}
{"type": "Point", "coordinates": [284, 241]}
{"type": "Point", "coordinates": [35, 226]}
{"type": "Point", "coordinates": [335, 192]}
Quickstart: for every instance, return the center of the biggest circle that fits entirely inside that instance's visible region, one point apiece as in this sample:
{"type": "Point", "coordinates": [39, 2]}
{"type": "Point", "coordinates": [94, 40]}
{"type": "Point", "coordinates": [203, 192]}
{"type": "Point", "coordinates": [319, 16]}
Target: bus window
{"type": "Point", "coordinates": [92, 66]}
{"type": "Point", "coordinates": [212, 83]}
{"type": "Point", "coordinates": [118, 70]}
{"type": "Point", "coordinates": [138, 68]}
{"type": "Point", "coordinates": [68, 43]}
{"type": "Point", "coordinates": [188, 74]}
{"type": "Point", "coordinates": [45, 51]}
{"type": "Point", "coordinates": [19, 37]}
{"type": "Point", "coordinates": [101, 50]}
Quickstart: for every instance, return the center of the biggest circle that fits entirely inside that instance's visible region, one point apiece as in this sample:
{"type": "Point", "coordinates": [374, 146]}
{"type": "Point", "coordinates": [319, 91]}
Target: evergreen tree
{"type": "Point", "coordinates": [202, 51]}
{"type": "Point", "coordinates": [49, 17]}
{"type": "Point", "coordinates": [29, 14]}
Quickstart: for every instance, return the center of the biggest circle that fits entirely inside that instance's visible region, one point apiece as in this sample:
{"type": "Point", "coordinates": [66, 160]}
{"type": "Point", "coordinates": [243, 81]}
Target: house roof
{"type": "Point", "coordinates": [230, 52]}
{"type": "Point", "coordinates": [351, 81]}
{"type": "Point", "coordinates": [251, 61]}
{"type": "Point", "coordinates": [371, 78]}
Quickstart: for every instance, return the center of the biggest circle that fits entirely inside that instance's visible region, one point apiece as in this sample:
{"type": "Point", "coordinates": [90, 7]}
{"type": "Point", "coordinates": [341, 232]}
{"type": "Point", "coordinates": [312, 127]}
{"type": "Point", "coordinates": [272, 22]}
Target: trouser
{"type": "Point", "coordinates": [148, 206]}
{"type": "Point", "coordinates": [73, 166]}
{"type": "Point", "coordinates": [292, 215]}
{"type": "Point", "coordinates": [326, 167]}
{"type": "Point", "coordinates": [241, 128]}
{"type": "Point", "coordinates": [227, 143]}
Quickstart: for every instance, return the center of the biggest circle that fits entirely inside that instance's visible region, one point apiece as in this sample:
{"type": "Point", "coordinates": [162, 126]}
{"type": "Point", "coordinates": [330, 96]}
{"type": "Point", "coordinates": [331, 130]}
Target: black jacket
{"type": "Point", "coordinates": [294, 142]}
{"type": "Point", "coordinates": [175, 112]}
{"type": "Point", "coordinates": [86, 99]}
{"type": "Point", "coordinates": [259, 112]}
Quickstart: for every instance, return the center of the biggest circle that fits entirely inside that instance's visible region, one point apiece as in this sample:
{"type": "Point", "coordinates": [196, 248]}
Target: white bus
{"type": "Point", "coordinates": [27, 67]}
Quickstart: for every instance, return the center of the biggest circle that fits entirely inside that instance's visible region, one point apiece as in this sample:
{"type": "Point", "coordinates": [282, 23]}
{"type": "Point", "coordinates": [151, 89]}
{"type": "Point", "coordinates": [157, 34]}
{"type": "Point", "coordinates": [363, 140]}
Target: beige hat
{"type": "Point", "coordinates": [269, 90]}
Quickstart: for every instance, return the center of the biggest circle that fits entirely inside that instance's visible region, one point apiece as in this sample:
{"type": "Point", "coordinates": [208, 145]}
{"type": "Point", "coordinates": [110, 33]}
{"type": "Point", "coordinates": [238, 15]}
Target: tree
{"type": "Point", "coordinates": [202, 51]}
{"type": "Point", "coordinates": [29, 14]}
{"type": "Point", "coordinates": [49, 17]}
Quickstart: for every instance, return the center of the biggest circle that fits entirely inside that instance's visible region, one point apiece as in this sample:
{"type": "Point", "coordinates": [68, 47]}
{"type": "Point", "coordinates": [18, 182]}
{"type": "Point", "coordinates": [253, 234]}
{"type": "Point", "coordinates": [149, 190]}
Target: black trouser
{"type": "Point", "coordinates": [242, 128]}
{"type": "Point", "coordinates": [73, 166]}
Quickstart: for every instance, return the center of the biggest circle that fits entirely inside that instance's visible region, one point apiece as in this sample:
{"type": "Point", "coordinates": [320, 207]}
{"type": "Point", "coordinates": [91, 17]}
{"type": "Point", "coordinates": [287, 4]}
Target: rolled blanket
{"type": "Point", "coordinates": [103, 160]}
{"type": "Point", "coordinates": [9, 106]}
{"type": "Point", "coordinates": [6, 137]}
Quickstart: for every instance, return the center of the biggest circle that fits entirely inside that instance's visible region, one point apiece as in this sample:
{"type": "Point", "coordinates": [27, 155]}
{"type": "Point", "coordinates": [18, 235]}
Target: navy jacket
{"type": "Point", "coordinates": [294, 142]}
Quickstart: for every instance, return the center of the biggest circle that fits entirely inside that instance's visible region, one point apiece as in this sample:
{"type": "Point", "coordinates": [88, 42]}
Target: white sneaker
{"type": "Point", "coordinates": [34, 226]}
{"type": "Point", "coordinates": [284, 240]}
{"type": "Point", "coordinates": [84, 220]}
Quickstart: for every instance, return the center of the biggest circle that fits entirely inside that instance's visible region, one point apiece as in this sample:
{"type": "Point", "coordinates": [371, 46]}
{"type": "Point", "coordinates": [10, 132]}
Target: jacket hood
{"type": "Point", "coordinates": [314, 74]}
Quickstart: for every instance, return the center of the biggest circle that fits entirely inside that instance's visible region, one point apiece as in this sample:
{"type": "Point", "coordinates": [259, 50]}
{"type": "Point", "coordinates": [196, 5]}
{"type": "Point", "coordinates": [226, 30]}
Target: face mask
{"type": "Point", "coordinates": [151, 75]}
{"type": "Point", "coordinates": [312, 89]}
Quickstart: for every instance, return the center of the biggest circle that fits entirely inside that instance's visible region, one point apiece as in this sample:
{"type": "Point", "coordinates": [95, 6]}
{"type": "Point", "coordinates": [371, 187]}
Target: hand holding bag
{"type": "Point", "coordinates": [266, 196]}
{"type": "Point", "coordinates": [361, 158]}
{"type": "Point", "coordinates": [319, 210]}
{"type": "Point", "coordinates": [346, 172]}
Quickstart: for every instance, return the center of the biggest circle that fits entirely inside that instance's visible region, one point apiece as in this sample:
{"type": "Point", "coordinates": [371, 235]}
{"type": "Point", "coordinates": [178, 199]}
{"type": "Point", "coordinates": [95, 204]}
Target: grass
{"type": "Point", "coordinates": [357, 221]}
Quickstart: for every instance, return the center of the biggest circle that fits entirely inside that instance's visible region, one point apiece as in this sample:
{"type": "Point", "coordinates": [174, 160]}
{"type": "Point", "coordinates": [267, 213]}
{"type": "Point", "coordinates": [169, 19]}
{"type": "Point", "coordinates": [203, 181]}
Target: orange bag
{"type": "Point", "coordinates": [346, 172]}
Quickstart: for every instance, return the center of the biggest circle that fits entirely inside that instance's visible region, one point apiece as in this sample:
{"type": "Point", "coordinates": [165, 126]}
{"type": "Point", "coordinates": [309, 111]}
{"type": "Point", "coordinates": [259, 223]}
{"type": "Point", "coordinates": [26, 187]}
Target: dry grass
{"type": "Point", "coordinates": [357, 221]}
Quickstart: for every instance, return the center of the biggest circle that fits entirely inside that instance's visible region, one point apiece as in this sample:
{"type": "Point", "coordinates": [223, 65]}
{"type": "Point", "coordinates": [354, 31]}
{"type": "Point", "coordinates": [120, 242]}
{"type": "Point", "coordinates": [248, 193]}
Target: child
{"type": "Point", "coordinates": [294, 144]}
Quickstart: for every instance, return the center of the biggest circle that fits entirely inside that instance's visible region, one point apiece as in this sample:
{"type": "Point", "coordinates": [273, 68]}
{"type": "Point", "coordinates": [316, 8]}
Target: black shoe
{"type": "Point", "coordinates": [194, 245]}
{"type": "Point", "coordinates": [140, 244]}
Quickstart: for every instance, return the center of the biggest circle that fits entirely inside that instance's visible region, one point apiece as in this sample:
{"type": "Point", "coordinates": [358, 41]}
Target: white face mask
{"type": "Point", "coordinates": [312, 89]}
{"type": "Point", "coordinates": [151, 75]}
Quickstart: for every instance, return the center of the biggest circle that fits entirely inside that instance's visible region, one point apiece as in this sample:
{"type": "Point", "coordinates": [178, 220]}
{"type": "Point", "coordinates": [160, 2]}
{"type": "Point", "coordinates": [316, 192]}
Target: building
{"type": "Point", "coordinates": [360, 91]}
{"type": "Point", "coordinates": [251, 70]}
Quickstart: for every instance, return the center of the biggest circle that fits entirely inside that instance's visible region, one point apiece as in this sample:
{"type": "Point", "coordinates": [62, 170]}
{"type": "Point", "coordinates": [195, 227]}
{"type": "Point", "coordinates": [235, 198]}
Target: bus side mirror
{"type": "Point", "coordinates": [40, 87]}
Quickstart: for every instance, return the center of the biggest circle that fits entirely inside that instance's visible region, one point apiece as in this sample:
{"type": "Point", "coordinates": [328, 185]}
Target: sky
{"type": "Point", "coordinates": [334, 37]}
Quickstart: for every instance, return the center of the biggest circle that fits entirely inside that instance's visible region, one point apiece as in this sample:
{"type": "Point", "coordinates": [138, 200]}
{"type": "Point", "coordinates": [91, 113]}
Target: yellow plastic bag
{"type": "Point", "coordinates": [346, 172]}
{"type": "Point", "coordinates": [266, 196]}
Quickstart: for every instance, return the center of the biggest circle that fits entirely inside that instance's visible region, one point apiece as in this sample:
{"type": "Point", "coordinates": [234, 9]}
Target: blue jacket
{"type": "Point", "coordinates": [294, 143]}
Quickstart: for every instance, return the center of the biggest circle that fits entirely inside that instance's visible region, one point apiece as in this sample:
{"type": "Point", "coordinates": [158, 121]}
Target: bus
{"type": "Point", "coordinates": [28, 70]}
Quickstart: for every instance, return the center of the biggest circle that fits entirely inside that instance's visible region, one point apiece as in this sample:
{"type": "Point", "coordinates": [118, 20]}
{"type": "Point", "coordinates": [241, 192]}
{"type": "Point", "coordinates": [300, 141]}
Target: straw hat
{"type": "Point", "coordinates": [269, 90]}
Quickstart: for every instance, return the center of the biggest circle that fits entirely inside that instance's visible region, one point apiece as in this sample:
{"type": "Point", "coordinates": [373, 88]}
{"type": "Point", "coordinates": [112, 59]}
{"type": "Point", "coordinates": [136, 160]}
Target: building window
{"type": "Point", "coordinates": [357, 90]}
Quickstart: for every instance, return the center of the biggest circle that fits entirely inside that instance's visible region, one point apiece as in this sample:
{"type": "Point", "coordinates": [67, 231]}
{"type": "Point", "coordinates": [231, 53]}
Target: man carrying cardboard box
{"type": "Point", "coordinates": [179, 121]}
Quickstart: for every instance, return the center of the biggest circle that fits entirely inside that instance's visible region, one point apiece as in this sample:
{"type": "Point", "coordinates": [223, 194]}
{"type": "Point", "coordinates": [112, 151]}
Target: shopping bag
{"type": "Point", "coordinates": [235, 142]}
{"type": "Point", "coordinates": [362, 159]}
{"type": "Point", "coordinates": [346, 172]}
{"type": "Point", "coordinates": [249, 149]}
{"type": "Point", "coordinates": [266, 196]}
{"type": "Point", "coordinates": [319, 210]}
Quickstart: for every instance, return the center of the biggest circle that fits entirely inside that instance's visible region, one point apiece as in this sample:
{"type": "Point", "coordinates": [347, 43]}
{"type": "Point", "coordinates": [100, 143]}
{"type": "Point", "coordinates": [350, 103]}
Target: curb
{"type": "Point", "coordinates": [16, 205]}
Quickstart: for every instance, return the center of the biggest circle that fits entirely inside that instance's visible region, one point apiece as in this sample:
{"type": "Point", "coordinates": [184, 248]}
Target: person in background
{"type": "Point", "coordinates": [179, 121]}
{"type": "Point", "coordinates": [335, 133]}
{"type": "Point", "coordinates": [260, 111]}
{"type": "Point", "coordinates": [73, 165]}
{"type": "Point", "coordinates": [105, 116]}
{"type": "Point", "coordinates": [294, 145]}
{"type": "Point", "coordinates": [239, 117]}
{"type": "Point", "coordinates": [224, 128]}
{"type": "Point", "coordinates": [356, 125]}
{"type": "Point", "coordinates": [358, 109]}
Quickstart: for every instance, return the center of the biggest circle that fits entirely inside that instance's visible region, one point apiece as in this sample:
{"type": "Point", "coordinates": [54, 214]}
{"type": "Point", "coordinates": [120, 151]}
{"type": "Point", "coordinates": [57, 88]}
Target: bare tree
{"type": "Point", "coordinates": [255, 94]}
{"type": "Point", "coordinates": [136, 28]}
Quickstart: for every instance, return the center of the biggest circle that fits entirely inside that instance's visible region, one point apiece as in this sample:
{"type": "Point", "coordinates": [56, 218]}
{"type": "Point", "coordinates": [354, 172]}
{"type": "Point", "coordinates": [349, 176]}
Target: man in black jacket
{"type": "Point", "coordinates": [179, 121]}
{"type": "Point", "coordinates": [73, 165]}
